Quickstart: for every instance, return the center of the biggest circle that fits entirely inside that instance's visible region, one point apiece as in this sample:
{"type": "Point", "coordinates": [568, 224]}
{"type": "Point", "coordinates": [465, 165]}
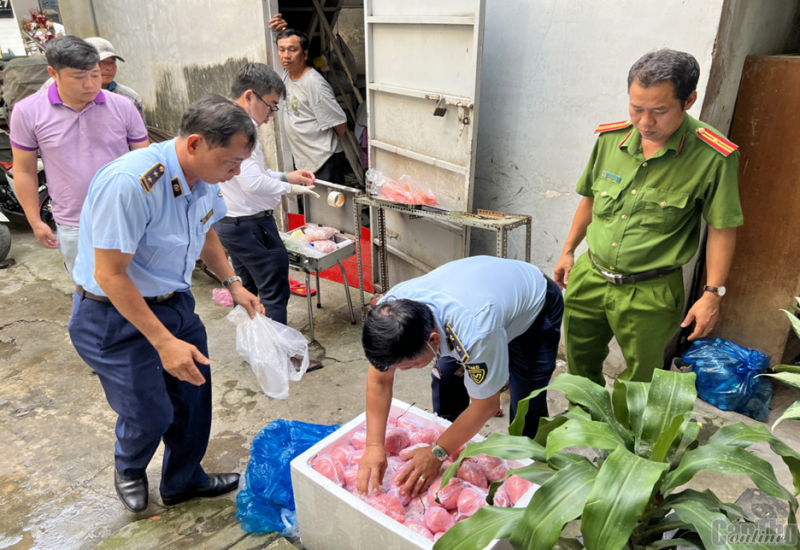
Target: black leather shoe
{"type": "Point", "coordinates": [218, 484]}
{"type": "Point", "coordinates": [134, 493]}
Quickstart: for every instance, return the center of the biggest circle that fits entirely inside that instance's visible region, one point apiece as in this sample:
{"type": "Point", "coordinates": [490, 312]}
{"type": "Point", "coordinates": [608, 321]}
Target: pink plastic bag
{"type": "Point", "coordinates": [404, 191]}
{"type": "Point", "coordinates": [356, 458]}
{"type": "Point", "coordinates": [319, 233]}
{"type": "Point", "coordinates": [342, 454]}
{"type": "Point", "coordinates": [331, 469]}
{"type": "Point", "coordinates": [438, 520]}
{"type": "Point", "coordinates": [419, 527]}
{"type": "Point", "coordinates": [396, 440]}
{"type": "Point", "coordinates": [493, 468]}
{"type": "Point", "coordinates": [470, 500]}
{"type": "Point", "coordinates": [516, 487]}
{"type": "Point", "coordinates": [472, 473]}
{"type": "Point", "coordinates": [387, 504]}
{"type": "Point", "coordinates": [405, 454]}
{"type": "Point", "coordinates": [501, 499]}
{"type": "Point", "coordinates": [351, 480]}
{"type": "Point", "coordinates": [448, 497]}
{"type": "Point", "coordinates": [428, 436]}
{"type": "Point", "coordinates": [324, 247]}
{"type": "Point", "coordinates": [222, 296]}
{"type": "Point", "coordinates": [359, 440]}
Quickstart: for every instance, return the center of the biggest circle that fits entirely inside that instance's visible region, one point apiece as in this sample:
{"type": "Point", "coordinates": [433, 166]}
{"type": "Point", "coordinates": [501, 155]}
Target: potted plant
{"type": "Point", "coordinates": [789, 374]}
{"type": "Point", "coordinates": [624, 486]}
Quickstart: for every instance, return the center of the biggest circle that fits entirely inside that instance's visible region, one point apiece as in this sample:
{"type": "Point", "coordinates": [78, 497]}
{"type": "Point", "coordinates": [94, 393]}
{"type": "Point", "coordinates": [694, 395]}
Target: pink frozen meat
{"type": "Point", "coordinates": [342, 454]}
{"type": "Point", "coordinates": [356, 458]}
{"type": "Point", "coordinates": [516, 487]}
{"type": "Point", "coordinates": [351, 479]}
{"type": "Point", "coordinates": [415, 510]}
{"type": "Point", "coordinates": [437, 536]}
{"type": "Point", "coordinates": [324, 247]}
{"type": "Point", "coordinates": [428, 436]}
{"type": "Point", "coordinates": [419, 527]}
{"type": "Point", "coordinates": [501, 499]}
{"type": "Point", "coordinates": [438, 519]}
{"type": "Point", "coordinates": [387, 504]}
{"type": "Point", "coordinates": [493, 468]}
{"type": "Point", "coordinates": [396, 440]}
{"type": "Point", "coordinates": [331, 469]}
{"type": "Point", "coordinates": [458, 451]}
{"type": "Point", "coordinates": [472, 473]}
{"type": "Point", "coordinates": [470, 500]}
{"type": "Point", "coordinates": [408, 423]}
{"type": "Point", "coordinates": [405, 454]}
{"type": "Point", "coordinates": [359, 440]}
{"type": "Point", "coordinates": [448, 497]}
{"type": "Point", "coordinates": [313, 234]}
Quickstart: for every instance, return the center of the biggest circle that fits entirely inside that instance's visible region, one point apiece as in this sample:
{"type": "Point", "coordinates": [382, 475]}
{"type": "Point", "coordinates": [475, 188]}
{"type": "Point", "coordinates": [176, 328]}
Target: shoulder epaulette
{"type": "Point", "coordinates": [151, 177]}
{"type": "Point", "coordinates": [612, 126]}
{"type": "Point", "coordinates": [716, 141]}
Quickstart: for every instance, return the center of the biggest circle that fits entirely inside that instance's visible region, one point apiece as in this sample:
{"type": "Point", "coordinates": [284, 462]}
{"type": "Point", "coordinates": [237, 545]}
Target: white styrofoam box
{"type": "Point", "coordinates": [330, 518]}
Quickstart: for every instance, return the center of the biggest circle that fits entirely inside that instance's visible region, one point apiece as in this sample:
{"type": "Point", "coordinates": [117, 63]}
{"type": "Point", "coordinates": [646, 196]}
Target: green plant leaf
{"type": "Point", "coordinates": [787, 368]}
{"type": "Point", "coordinates": [665, 440]}
{"type": "Point", "coordinates": [688, 438]}
{"type": "Point", "coordinates": [634, 403]}
{"type": "Point", "coordinates": [742, 435]}
{"type": "Point", "coordinates": [538, 472]}
{"type": "Point", "coordinates": [476, 532]}
{"type": "Point", "coordinates": [510, 447]}
{"type": "Point", "coordinates": [792, 413]}
{"type": "Point", "coordinates": [788, 378]}
{"type": "Point", "coordinates": [670, 543]}
{"type": "Point", "coordinates": [580, 391]}
{"type": "Point", "coordinates": [707, 499]}
{"type": "Point", "coordinates": [723, 459]}
{"type": "Point", "coordinates": [547, 425]}
{"type": "Point", "coordinates": [671, 394]}
{"type": "Point", "coordinates": [619, 495]}
{"type": "Point", "coordinates": [794, 320]}
{"type": "Point", "coordinates": [555, 503]}
{"type": "Point", "coordinates": [703, 522]}
{"type": "Point", "coordinates": [559, 461]}
{"type": "Point", "coordinates": [582, 433]}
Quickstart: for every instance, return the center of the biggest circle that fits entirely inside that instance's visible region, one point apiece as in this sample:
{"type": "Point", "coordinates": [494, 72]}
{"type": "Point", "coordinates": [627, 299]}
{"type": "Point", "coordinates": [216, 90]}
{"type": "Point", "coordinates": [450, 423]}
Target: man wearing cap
{"type": "Point", "coordinates": [648, 184]}
{"type": "Point", "coordinates": [77, 128]}
{"type": "Point", "coordinates": [108, 70]}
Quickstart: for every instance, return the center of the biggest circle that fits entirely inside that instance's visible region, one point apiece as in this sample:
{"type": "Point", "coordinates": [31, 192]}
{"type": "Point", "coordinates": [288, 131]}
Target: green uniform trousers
{"type": "Point", "coordinates": [642, 316]}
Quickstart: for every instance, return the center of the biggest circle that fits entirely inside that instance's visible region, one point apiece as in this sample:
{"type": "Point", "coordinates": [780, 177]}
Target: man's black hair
{"type": "Point", "coordinates": [396, 330]}
{"type": "Point", "coordinates": [217, 119]}
{"type": "Point", "coordinates": [288, 33]}
{"type": "Point", "coordinates": [71, 52]}
{"type": "Point", "coordinates": [257, 77]}
{"type": "Point", "coordinates": [680, 68]}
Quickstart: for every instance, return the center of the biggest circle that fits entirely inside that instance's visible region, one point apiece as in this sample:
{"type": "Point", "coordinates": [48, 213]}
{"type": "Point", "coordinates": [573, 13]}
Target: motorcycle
{"type": "Point", "coordinates": [11, 209]}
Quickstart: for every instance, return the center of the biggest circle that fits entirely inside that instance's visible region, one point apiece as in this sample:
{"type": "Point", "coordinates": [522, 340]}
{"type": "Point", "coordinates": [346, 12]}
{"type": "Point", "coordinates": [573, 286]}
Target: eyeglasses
{"type": "Point", "coordinates": [270, 107]}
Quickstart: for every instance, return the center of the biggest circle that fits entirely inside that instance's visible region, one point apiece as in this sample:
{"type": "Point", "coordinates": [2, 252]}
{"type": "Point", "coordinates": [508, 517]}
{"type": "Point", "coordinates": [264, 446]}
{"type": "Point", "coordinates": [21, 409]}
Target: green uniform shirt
{"type": "Point", "coordinates": [646, 213]}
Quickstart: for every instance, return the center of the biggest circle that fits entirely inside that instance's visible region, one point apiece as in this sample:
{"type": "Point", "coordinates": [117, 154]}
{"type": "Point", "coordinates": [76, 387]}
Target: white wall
{"type": "Point", "coordinates": [10, 35]}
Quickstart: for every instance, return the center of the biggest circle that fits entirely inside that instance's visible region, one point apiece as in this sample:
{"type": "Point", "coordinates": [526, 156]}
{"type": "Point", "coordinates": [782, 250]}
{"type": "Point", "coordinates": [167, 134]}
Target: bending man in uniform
{"type": "Point", "coordinates": [147, 217]}
{"type": "Point", "coordinates": [648, 184]}
{"type": "Point", "coordinates": [477, 336]}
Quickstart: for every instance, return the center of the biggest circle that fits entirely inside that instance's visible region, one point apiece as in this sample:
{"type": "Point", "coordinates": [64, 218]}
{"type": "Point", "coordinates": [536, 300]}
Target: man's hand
{"type": "Point", "coordinates": [301, 177]}
{"type": "Point", "coordinates": [277, 23]}
{"type": "Point", "coordinates": [303, 190]}
{"type": "Point", "coordinates": [246, 299]}
{"type": "Point", "coordinates": [562, 269]}
{"type": "Point", "coordinates": [178, 359]}
{"type": "Point", "coordinates": [45, 235]}
{"type": "Point", "coordinates": [371, 468]}
{"type": "Point", "coordinates": [419, 473]}
{"type": "Point", "coordinates": [704, 313]}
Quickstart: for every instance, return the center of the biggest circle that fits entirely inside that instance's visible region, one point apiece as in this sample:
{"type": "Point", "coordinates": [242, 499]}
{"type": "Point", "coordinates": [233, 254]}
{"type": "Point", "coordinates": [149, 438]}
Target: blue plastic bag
{"type": "Point", "coordinates": [266, 503]}
{"type": "Point", "coordinates": [727, 376]}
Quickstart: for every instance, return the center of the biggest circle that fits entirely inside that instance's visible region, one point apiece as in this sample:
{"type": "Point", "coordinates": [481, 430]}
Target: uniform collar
{"type": "Point", "coordinates": [55, 97]}
{"type": "Point", "coordinates": [632, 143]}
{"type": "Point", "coordinates": [175, 170]}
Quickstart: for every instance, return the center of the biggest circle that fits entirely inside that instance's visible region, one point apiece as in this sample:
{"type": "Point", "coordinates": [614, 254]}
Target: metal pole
{"type": "Point", "coordinates": [94, 18]}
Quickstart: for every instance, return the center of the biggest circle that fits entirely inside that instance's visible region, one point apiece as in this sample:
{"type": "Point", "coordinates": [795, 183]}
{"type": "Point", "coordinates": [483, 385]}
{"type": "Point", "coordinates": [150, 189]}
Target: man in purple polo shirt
{"type": "Point", "coordinates": [78, 129]}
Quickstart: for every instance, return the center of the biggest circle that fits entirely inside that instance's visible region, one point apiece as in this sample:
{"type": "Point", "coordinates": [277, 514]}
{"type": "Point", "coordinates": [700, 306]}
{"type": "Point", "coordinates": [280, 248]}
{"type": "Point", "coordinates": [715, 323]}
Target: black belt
{"type": "Point", "coordinates": [231, 219]}
{"type": "Point", "coordinates": [618, 279]}
{"type": "Point", "coordinates": [104, 299]}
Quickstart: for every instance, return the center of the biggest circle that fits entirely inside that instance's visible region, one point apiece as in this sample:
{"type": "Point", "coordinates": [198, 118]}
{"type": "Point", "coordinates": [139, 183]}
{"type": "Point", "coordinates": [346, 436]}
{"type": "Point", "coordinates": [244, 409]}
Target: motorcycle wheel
{"type": "Point", "coordinates": [5, 241]}
{"type": "Point", "coordinates": [46, 209]}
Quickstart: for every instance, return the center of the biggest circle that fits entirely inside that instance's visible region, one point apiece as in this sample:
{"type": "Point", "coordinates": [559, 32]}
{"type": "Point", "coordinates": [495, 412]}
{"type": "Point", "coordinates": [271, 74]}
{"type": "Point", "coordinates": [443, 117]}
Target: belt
{"type": "Point", "coordinates": [104, 299]}
{"type": "Point", "coordinates": [231, 219]}
{"type": "Point", "coordinates": [618, 279]}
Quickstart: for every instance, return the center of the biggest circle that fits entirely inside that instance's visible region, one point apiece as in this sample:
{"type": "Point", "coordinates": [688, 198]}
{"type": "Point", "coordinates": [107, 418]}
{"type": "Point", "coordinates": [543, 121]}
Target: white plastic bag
{"type": "Point", "coordinates": [269, 347]}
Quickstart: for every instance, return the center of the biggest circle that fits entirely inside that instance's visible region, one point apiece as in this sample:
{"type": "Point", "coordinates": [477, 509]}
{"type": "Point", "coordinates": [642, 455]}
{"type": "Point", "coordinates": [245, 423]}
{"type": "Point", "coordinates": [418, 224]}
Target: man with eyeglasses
{"type": "Point", "coordinates": [249, 232]}
{"type": "Point", "coordinates": [478, 336]}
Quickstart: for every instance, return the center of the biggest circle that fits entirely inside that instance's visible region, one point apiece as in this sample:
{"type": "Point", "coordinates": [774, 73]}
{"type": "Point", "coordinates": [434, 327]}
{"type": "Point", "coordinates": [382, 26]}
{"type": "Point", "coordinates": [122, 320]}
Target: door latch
{"type": "Point", "coordinates": [441, 107]}
{"type": "Point", "coordinates": [463, 117]}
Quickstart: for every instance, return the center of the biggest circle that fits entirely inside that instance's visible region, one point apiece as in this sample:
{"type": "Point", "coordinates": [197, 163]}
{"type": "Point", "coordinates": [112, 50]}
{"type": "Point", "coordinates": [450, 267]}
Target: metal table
{"type": "Point", "coordinates": [499, 222]}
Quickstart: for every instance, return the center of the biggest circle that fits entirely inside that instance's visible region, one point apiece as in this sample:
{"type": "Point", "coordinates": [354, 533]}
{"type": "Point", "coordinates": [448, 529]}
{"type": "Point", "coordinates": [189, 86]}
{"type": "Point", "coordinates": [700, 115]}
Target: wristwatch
{"type": "Point", "coordinates": [438, 452]}
{"type": "Point", "coordinates": [718, 290]}
{"type": "Point", "coordinates": [231, 280]}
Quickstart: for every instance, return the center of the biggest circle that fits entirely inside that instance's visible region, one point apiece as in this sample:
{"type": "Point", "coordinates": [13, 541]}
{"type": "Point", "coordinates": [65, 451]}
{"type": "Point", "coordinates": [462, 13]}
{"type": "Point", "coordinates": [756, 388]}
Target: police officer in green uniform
{"type": "Point", "coordinates": [647, 184]}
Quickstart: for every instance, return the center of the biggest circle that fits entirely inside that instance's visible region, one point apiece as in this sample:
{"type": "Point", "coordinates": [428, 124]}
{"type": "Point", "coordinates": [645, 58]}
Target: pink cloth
{"type": "Point", "coordinates": [74, 145]}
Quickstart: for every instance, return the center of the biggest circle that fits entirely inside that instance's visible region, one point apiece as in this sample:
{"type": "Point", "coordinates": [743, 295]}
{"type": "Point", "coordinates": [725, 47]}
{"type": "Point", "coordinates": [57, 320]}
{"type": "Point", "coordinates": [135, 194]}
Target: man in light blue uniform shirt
{"type": "Point", "coordinates": [147, 217]}
{"type": "Point", "coordinates": [483, 321]}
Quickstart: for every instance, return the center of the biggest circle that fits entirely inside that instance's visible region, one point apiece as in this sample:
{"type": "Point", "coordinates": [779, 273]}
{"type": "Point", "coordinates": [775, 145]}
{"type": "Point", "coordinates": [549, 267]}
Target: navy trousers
{"type": "Point", "coordinates": [152, 404]}
{"type": "Point", "coordinates": [531, 362]}
{"type": "Point", "coordinates": [259, 257]}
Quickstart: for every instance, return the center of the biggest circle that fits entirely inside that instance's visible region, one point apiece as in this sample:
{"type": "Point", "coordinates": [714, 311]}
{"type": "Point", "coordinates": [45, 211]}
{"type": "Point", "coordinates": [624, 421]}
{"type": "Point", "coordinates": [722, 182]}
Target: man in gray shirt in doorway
{"type": "Point", "coordinates": [314, 120]}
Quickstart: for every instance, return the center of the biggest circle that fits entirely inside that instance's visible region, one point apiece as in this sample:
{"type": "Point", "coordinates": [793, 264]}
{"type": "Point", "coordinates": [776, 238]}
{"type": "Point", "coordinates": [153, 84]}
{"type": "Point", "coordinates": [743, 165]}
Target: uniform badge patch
{"type": "Point", "coordinates": [177, 190]}
{"type": "Point", "coordinates": [716, 141]}
{"type": "Point", "coordinates": [207, 216]}
{"type": "Point", "coordinates": [606, 175]}
{"type": "Point", "coordinates": [151, 177]}
{"type": "Point", "coordinates": [454, 343]}
{"type": "Point", "coordinates": [477, 372]}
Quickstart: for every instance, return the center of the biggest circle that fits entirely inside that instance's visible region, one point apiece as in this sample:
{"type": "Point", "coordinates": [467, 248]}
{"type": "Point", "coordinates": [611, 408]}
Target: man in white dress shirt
{"type": "Point", "coordinates": [249, 232]}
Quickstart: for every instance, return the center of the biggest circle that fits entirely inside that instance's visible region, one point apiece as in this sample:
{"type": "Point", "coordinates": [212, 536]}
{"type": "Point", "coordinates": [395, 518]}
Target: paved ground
{"type": "Point", "coordinates": [57, 431]}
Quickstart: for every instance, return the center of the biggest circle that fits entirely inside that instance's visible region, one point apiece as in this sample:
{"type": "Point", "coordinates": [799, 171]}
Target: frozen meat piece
{"type": "Point", "coordinates": [408, 423]}
{"type": "Point", "coordinates": [331, 469]}
{"type": "Point", "coordinates": [356, 458]}
{"type": "Point", "coordinates": [448, 496]}
{"type": "Point", "coordinates": [415, 510]}
{"type": "Point", "coordinates": [428, 436]}
{"type": "Point", "coordinates": [516, 487]}
{"type": "Point", "coordinates": [351, 479]}
{"type": "Point", "coordinates": [388, 505]}
{"type": "Point", "coordinates": [396, 440]}
{"type": "Point", "coordinates": [454, 456]}
{"type": "Point", "coordinates": [324, 247]}
{"type": "Point", "coordinates": [419, 527]}
{"type": "Point", "coordinates": [342, 454]}
{"type": "Point", "coordinates": [501, 499]}
{"type": "Point", "coordinates": [472, 473]}
{"type": "Point", "coordinates": [359, 440]}
{"type": "Point", "coordinates": [437, 536]}
{"type": "Point", "coordinates": [396, 463]}
{"type": "Point", "coordinates": [313, 234]}
{"type": "Point", "coordinates": [470, 500]}
{"type": "Point", "coordinates": [493, 468]}
{"type": "Point", "coordinates": [438, 520]}
{"type": "Point", "coordinates": [391, 422]}
{"type": "Point", "coordinates": [405, 454]}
